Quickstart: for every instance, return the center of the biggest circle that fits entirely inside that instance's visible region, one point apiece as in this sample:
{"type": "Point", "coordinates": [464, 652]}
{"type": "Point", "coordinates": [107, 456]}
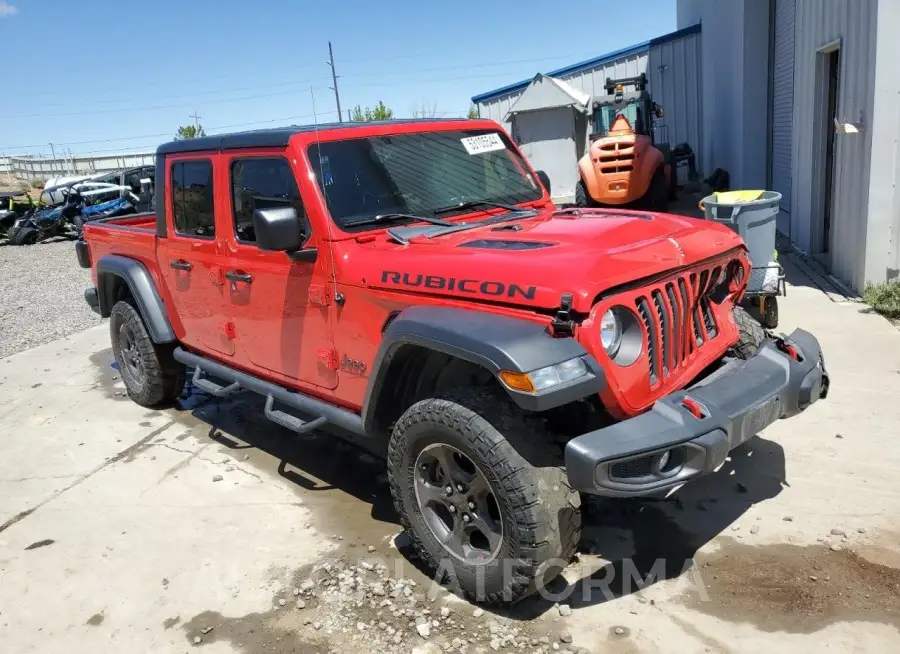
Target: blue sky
{"type": "Point", "coordinates": [101, 76]}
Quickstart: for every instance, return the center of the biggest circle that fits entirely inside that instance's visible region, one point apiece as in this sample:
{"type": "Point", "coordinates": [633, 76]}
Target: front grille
{"type": "Point", "coordinates": [616, 157]}
{"type": "Point", "coordinates": [678, 320]}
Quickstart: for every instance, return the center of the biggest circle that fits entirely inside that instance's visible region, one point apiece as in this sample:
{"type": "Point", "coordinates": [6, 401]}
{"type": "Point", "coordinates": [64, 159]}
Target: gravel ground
{"type": "Point", "coordinates": [41, 295]}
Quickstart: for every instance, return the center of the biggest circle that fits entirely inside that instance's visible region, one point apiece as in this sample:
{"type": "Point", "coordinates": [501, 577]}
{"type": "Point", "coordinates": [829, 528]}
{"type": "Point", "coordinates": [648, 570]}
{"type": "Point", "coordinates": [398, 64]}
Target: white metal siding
{"type": "Point", "coordinates": [547, 139]}
{"type": "Point", "coordinates": [783, 107]}
{"type": "Point", "coordinates": [589, 80]}
{"type": "Point", "coordinates": [819, 22]}
{"type": "Point", "coordinates": [675, 84]}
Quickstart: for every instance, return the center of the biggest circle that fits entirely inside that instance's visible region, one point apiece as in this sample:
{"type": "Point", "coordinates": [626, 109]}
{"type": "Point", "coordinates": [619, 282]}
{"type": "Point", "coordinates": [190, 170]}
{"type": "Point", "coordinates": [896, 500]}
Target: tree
{"type": "Point", "coordinates": [380, 112]}
{"type": "Point", "coordinates": [189, 132]}
{"type": "Point", "coordinates": [425, 110]}
{"type": "Point", "coordinates": [473, 112]}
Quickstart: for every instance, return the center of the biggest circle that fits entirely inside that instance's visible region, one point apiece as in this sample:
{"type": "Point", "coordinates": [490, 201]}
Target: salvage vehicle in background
{"type": "Point", "coordinates": [14, 205]}
{"type": "Point", "coordinates": [411, 285]}
{"type": "Point", "coordinates": [626, 163]}
{"type": "Point", "coordinates": [68, 217]}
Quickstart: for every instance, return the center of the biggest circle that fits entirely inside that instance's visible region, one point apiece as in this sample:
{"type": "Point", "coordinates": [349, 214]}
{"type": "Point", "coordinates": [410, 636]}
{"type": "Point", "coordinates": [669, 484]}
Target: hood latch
{"type": "Point", "coordinates": [563, 325]}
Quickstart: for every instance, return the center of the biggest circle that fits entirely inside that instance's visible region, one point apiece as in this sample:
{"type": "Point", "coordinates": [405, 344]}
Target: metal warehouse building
{"type": "Point", "coordinates": [672, 66]}
{"type": "Point", "coordinates": [799, 96]}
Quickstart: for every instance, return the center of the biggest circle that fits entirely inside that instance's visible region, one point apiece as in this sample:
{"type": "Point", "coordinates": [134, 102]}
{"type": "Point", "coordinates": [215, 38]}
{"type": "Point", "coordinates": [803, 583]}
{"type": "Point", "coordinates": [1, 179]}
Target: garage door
{"type": "Point", "coordinates": [783, 107]}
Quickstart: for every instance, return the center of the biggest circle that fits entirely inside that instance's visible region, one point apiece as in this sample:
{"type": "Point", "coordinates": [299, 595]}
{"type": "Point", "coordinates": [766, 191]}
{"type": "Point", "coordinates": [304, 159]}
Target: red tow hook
{"type": "Point", "coordinates": [693, 407]}
{"type": "Point", "coordinates": [791, 351]}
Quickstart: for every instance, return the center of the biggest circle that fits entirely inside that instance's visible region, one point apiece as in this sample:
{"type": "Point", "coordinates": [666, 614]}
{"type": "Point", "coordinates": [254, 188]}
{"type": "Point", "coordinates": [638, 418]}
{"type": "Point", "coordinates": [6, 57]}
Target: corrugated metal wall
{"type": "Point", "coordinates": [28, 168]}
{"type": "Point", "coordinates": [818, 23]}
{"type": "Point", "coordinates": [675, 83]}
{"type": "Point", "coordinates": [590, 80]}
{"type": "Point", "coordinates": [783, 107]}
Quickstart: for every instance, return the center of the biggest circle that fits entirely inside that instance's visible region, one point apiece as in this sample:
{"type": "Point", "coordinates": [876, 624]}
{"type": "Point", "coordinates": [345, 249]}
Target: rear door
{"type": "Point", "coordinates": [191, 257]}
{"type": "Point", "coordinates": [280, 307]}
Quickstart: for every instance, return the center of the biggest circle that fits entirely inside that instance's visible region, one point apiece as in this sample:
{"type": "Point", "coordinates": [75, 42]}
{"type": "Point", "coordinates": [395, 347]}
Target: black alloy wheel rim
{"type": "Point", "coordinates": [458, 504]}
{"type": "Point", "coordinates": [131, 355]}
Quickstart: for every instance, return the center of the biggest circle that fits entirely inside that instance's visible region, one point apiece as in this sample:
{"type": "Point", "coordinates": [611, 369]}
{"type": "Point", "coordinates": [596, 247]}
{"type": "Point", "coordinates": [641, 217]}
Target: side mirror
{"type": "Point", "coordinates": [545, 179]}
{"type": "Point", "coordinates": [282, 230]}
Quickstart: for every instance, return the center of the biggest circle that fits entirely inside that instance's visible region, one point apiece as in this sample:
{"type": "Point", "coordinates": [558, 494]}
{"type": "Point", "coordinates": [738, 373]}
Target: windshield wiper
{"type": "Point", "coordinates": [471, 204]}
{"type": "Point", "coordinates": [383, 218]}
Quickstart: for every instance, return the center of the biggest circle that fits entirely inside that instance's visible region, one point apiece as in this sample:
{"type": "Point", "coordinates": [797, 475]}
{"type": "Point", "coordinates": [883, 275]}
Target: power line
{"type": "Point", "coordinates": [163, 134]}
{"type": "Point", "coordinates": [188, 99]}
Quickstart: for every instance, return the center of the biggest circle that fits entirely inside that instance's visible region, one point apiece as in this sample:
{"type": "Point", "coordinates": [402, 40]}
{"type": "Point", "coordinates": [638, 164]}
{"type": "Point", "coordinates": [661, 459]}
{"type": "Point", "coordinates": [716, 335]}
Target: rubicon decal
{"type": "Point", "coordinates": [461, 285]}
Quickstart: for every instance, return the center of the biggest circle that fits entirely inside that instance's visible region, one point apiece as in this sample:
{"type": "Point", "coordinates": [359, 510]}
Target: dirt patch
{"type": "Point", "coordinates": [168, 623]}
{"type": "Point", "coordinates": [95, 620]}
{"type": "Point", "coordinates": [41, 543]}
{"type": "Point", "coordinates": [797, 589]}
{"type": "Point", "coordinates": [370, 604]}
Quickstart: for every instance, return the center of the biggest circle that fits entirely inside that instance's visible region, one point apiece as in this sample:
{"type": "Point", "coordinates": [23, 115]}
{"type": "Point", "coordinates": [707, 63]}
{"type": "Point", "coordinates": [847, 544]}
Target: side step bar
{"type": "Point", "coordinates": [325, 413]}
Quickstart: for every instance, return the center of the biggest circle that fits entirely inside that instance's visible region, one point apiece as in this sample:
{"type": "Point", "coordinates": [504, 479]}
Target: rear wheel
{"type": "Point", "coordinates": [480, 491]}
{"type": "Point", "coordinates": [657, 196]}
{"type": "Point", "coordinates": [151, 374]}
{"type": "Point", "coordinates": [582, 198]}
{"type": "Point", "coordinates": [24, 236]}
{"type": "Point", "coordinates": [751, 333]}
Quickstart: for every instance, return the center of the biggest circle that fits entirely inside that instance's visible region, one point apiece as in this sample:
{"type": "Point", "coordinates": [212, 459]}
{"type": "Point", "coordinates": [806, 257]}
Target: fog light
{"type": "Point", "coordinates": [663, 461]}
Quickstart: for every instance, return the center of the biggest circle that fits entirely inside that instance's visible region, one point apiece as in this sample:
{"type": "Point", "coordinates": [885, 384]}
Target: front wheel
{"type": "Point", "coordinates": [582, 197]}
{"type": "Point", "coordinates": [24, 236]}
{"type": "Point", "coordinates": [480, 492]}
{"type": "Point", "coordinates": [751, 333]}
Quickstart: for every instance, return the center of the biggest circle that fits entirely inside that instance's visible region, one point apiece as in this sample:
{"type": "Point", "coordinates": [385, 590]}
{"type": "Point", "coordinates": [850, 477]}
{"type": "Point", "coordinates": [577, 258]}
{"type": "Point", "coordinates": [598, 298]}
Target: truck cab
{"type": "Point", "coordinates": [411, 284]}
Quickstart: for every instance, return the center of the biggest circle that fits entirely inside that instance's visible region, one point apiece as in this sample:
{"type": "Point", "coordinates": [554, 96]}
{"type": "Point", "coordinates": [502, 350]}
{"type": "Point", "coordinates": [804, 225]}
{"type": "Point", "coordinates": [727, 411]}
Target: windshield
{"type": "Point", "coordinates": [418, 173]}
{"type": "Point", "coordinates": [605, 116]}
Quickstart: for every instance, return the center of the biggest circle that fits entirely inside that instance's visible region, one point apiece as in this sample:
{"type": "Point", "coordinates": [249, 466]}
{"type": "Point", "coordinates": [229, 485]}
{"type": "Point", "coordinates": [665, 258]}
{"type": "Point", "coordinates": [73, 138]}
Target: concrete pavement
{"type": "Point", "coordinates": [127, 530]}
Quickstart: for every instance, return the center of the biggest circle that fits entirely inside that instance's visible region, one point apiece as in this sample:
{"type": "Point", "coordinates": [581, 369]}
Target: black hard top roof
{"type": "Point", "coordinates": [11, 194]}
{"type": "Point", "coordinates": [277, 137]}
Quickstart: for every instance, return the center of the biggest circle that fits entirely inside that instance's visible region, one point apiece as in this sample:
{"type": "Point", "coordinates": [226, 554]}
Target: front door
{"type": "Point", "coordinates": [190, 257]}
{"type": "Point", "coordinates": [280, 307]}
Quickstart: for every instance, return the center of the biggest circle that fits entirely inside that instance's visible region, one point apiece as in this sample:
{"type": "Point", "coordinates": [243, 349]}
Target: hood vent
{"type": "Point", "coordinates": [506, 245]}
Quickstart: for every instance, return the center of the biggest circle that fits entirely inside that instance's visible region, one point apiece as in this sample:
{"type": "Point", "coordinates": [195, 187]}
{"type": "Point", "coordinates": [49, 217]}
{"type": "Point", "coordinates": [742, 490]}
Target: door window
{"type": "Point", "coordinates": [261, 183]}
{"type": "Point", "coordinates": [192, 198]}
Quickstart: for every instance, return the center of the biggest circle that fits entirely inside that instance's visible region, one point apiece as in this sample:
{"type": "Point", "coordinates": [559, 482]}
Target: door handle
{"type": "Point", "coordinates": [181, 264]}
{"type": "Point", "coordinates": [235, 276]}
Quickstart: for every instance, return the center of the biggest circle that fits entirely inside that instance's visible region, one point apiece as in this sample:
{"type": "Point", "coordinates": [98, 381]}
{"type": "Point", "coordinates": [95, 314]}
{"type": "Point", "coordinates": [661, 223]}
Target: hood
{"type": "Point", "coordinates": [533, 261]}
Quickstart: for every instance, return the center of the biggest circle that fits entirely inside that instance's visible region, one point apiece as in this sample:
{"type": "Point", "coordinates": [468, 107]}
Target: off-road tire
{"type": "Point", "coordinates": [24, 236]}
{"type": "Point", "coordinates": [522, 463]}
{"type": "Point", "coordinates": [162, 378]}
{"type": "Point", "coordinates": [770, 315]}
{"type": "Point", "coordinates": [657, 196]}
{"type": "Point", "coordinates": [751, 333]}
{"type": "Point", "coordinates": [582, 198]}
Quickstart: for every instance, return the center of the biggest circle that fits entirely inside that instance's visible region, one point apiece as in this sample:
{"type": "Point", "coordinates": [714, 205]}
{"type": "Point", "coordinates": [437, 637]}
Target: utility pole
{"type": "Point", "coordinates": [334, 78]}
{"type": "Point", "coordinates": [53, 157]}
{"type": "Point", "coordinates": [196, 121]}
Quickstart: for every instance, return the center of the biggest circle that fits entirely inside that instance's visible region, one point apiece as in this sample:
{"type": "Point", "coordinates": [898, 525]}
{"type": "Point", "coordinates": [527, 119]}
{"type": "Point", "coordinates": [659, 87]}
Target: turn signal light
{"type": "Point", "coordinates": [518, 381]}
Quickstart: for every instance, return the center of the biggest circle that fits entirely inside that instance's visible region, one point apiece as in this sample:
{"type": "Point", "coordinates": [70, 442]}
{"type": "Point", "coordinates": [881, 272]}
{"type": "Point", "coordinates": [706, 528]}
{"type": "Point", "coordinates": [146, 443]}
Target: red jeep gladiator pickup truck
{"type": "Point", "coordinates": [410, 284]}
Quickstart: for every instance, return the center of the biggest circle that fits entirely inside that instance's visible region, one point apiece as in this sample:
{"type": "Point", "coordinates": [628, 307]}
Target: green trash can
{"type": "Point", "coordinates": [752, 214]}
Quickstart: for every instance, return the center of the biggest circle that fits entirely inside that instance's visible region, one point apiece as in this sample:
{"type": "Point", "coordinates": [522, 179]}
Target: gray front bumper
{"type": "Point", "coordinates": [743, 397]}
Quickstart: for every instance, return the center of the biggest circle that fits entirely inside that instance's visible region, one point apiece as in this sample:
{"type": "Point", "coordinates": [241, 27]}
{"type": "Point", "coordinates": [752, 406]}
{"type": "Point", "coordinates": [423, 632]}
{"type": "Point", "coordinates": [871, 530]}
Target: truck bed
{"type": "Point", "coordinates": [132, 236]}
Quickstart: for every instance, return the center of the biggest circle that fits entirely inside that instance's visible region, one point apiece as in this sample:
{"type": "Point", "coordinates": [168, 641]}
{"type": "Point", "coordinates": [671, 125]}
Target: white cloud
{"type": "Point", "coordinates": [7, 9]}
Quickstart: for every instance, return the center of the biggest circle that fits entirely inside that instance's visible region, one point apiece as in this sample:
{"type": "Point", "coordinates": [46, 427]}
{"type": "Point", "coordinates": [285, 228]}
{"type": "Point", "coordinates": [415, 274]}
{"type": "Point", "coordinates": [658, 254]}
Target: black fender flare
{"type": "Point", "coordinates": [143, 289]}
{"type": "Point", "coordinates": [494, 342]}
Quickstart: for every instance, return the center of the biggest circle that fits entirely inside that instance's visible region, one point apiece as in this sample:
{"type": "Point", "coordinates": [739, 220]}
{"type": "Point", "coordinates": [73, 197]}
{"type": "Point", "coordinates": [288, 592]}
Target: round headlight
{"type": "Point", "coordinates": [610, 332]}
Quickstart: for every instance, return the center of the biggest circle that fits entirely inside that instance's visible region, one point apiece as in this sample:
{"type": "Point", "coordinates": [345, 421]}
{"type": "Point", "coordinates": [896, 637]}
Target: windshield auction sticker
{"type": "Point", "coordinates": [483, 143]}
